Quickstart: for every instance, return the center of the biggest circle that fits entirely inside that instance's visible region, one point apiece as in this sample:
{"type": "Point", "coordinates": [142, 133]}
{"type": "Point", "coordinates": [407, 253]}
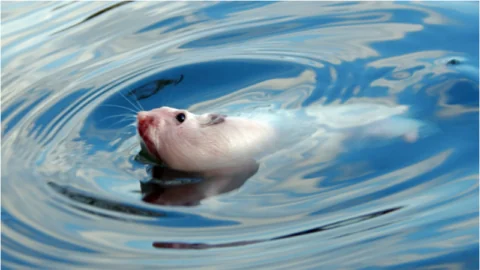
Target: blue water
{"type": "Point", "coordinates": [75, 189]}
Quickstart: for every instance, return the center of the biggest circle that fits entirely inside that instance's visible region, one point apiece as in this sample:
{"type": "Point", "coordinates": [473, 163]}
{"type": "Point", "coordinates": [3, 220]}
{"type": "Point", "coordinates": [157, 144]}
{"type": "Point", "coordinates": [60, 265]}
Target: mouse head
{"type": "Point", "coordinates": [167, 133]}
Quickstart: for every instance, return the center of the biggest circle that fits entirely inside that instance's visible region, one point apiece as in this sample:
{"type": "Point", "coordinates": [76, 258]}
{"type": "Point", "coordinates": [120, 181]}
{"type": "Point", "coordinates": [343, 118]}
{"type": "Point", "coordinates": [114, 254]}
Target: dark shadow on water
{"type": "Point", "coordinates": [96, 14]}
{"type": "Point", "coordinates": [172, 187]}
{"type": "Point", "coordinates": [453, 62]}
{"type": "Point", "coordinates": [178, 245]}
{"type": "Point", "coordinates": [110, 205]}
{"type": "Point", "coordinates": [149, 89]}
{"type": "Point", "coordinates": [64, 5]}
{"type": "Point", "coordinates": [117, 210]}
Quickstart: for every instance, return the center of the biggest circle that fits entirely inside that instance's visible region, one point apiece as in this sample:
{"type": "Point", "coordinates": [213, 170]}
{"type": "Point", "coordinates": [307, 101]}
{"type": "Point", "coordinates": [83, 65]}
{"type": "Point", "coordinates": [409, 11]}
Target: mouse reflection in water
{"type": "Point", "coordinates": [177, 188]}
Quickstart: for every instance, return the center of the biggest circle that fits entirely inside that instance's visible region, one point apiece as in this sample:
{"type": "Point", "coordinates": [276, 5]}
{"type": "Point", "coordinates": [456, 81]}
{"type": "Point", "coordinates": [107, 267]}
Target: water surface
{"type": "Point", "coordinates": [76, 195]}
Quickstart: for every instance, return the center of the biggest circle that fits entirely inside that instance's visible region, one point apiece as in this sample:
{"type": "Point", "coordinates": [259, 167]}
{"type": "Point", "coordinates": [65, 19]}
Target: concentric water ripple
{"type": "Point", "coordinates": [77, 193]}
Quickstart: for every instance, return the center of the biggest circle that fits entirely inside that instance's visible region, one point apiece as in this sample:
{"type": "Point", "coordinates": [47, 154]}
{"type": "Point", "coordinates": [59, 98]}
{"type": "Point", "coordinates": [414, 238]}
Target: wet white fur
{"type": "Point", "coordinates": [194, 146]}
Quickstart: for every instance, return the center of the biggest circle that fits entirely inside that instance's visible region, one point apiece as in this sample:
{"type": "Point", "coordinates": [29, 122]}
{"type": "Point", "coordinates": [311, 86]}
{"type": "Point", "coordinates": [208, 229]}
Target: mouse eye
{"type": "Point", "coordinates": [181, 117]}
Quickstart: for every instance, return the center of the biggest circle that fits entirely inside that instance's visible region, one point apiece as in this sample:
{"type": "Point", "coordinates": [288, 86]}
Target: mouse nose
{"type": "Point", "coordinates": [143, 121]}
{"type": "Point", "coordinates": [142, 116]}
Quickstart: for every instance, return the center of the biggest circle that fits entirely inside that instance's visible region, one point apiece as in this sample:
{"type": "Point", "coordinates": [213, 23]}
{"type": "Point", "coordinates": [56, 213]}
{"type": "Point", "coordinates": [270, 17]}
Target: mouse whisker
{"type": "Point", "coordinates": [133, 104]}
{"type": "Point", "coordinates": [118, 115]}
{"type": "Point", "coordinates": [118, 106]}
{"type": "Point", "coordinates": [124, 130]}
{"type": "Point", "coordinates": [139, 104]}
{"type": "Point", "coordinates": [118, 122]}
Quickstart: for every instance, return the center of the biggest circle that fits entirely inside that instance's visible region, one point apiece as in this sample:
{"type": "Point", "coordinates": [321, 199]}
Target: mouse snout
{"type": "Point", "coordinates": [143, 120]}
{"type": "Point", "coordinates": [142, 116]}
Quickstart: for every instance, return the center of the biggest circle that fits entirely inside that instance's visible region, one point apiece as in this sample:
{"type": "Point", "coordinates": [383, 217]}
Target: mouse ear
{"type": "Point", "coordinates": [213, 119]}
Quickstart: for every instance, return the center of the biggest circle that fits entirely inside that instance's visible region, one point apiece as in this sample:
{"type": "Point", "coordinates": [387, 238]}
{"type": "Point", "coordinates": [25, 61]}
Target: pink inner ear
{"type": "Point", "coordinates": [216, 118]}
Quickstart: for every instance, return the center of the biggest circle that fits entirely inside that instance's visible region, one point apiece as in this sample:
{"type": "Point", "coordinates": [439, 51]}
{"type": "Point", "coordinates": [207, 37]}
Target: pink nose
{"type": "Point", "coordinates": [143, 121]}
{"type": "Point", "coordinates": [142, 116]}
